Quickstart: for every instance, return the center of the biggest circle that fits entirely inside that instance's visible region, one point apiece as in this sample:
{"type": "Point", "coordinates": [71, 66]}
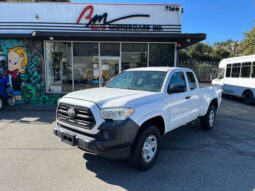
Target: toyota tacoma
{"type": "Point", "coordinates": [128, 117]}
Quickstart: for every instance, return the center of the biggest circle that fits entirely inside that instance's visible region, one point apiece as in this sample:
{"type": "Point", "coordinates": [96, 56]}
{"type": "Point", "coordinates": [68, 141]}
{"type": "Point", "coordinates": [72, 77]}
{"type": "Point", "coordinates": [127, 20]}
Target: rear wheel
{"type": "Point", "coordinates": [1, 103]}
{"type": "Point", "coordinates": [11, 101]}
{"type": "Point", "coordinates": [146, 148]}
{"type": "Point", "coordinates": [248, 97]}
{"type": "Point", "coordinates": [207, 121]}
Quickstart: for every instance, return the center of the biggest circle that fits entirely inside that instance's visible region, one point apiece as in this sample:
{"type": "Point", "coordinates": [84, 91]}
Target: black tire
{"type": "Point", "coordinates": [248, 97]}
{"type": "Point", "coordinates": [205, 120]}
{"type": "Point", "coordinates": [1, 103]}
{"type": "Point", "coordinates": [136, 158]}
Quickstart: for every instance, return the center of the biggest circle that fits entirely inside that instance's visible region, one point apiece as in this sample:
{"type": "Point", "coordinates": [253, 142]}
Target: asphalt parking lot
{"type": "Point", "coordinates": [32, 158]}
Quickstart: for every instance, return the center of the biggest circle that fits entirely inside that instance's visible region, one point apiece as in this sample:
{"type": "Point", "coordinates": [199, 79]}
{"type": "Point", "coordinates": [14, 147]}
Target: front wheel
{"type": "Point", "coordinates": [207, 121]}
{"type": "Point", "coordinates": [146, 148]}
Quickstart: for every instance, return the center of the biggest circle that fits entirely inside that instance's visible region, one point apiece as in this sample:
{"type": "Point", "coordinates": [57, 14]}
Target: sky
{"type": "Point", "coordinates": [219, 19]}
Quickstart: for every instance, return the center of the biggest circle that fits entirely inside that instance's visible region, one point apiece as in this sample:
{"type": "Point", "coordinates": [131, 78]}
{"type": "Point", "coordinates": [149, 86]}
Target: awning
{"type": "Point", "coordinates": [183, 39]}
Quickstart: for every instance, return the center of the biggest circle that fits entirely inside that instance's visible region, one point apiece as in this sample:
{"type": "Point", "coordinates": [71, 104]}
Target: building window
{"type": "Point", "coordinates": [236, 70]}
{"type": "Point", "coordinates": [161, 54]}
{"type": "Point", "coordinates": [85, 65]}
{"type": "Point", "coordinates": [110, 49]}
{"type": "Point", "coordinates": [133, 55]}
{"type": "Point", "coordinates": [59, 67]}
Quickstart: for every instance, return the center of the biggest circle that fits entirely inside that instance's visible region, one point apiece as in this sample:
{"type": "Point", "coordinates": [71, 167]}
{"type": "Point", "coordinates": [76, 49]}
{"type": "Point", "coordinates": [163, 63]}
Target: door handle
{"type": "Point", "coordinates": [188, 97]}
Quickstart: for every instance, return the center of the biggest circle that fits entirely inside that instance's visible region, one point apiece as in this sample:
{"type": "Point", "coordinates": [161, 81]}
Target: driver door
{"type": "Point", "coordinates": [177, 108]}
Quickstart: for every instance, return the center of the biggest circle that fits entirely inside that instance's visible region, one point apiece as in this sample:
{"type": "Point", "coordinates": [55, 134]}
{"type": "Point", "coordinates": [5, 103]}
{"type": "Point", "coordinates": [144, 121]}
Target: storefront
{"type": "Point", "coordinates": [55, 48]}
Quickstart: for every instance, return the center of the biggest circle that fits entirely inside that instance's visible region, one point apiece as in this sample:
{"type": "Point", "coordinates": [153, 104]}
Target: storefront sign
{"type": "Point", "coordinates": [100, 22]}
{"type": "Point", "coordinates": [82, 17]}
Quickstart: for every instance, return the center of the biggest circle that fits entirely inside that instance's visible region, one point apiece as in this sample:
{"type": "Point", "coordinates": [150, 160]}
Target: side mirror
{"type": "Point", "coordinates": [175, 88]}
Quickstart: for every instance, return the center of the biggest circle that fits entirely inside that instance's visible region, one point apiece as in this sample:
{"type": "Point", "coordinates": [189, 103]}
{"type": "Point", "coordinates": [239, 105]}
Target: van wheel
{"type": "Point", "coordinates": [1, 103]}
{"type": "Point", "coordinates": [207, 121]}
{"type": "Point", "coordinates": [146, 148]}
{"type": "Point", "coordinates": [248, 97]}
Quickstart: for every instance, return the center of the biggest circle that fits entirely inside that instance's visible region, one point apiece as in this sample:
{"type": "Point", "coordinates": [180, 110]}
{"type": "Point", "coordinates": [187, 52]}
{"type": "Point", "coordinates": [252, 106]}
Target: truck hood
{"type": "Point", "coordinates": [111, 97]}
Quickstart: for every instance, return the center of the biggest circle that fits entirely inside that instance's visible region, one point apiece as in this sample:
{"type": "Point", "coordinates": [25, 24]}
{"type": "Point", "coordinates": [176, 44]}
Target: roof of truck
{"type": "Point", "coordinates": [163, 69]}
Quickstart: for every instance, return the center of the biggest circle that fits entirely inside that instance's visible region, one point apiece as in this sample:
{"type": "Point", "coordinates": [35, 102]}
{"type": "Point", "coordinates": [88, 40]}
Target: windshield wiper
{"type": "Point", "coordinates": [131, 89]}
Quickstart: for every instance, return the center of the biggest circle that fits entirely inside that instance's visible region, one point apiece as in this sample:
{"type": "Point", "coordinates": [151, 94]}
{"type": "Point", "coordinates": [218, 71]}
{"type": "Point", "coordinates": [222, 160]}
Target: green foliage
{"type": "Point", "coordinates": [202, 52]}
{"type": "Point", "coordinates": [249, 42]}
{"type": "Point", "coordinates": [224, 43]}
{"type": "Point", "coordinates": [220, 54]}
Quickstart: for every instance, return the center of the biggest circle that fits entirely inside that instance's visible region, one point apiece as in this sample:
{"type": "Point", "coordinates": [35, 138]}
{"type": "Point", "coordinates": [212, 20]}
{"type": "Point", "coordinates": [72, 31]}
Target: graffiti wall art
{"type": "Point", "coordinates": [22, 62]}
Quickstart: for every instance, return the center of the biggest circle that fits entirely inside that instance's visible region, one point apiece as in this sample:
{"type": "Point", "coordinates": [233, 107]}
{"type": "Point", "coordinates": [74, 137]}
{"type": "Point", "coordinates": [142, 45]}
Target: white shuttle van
{"type": "Point", "coordinates": [238, 77]}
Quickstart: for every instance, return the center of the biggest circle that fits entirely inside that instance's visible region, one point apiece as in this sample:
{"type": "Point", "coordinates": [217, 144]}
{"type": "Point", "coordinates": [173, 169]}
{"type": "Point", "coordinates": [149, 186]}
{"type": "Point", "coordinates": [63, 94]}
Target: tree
{"type": "Point", "coordinates": [249, 42]}
{"type": "Point", "coordinates": [220, 53]}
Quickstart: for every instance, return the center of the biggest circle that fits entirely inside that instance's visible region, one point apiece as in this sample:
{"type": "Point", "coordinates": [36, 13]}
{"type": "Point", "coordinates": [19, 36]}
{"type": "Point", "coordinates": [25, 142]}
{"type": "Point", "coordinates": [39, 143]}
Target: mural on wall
{"type": "Point", "coordinates": [24, 60]}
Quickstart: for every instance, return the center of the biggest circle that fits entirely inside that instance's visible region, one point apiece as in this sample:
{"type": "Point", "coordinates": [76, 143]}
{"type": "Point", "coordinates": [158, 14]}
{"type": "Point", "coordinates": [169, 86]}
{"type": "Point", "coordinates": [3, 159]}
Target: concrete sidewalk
{"type": "Point", "coordinates": [31, 107]}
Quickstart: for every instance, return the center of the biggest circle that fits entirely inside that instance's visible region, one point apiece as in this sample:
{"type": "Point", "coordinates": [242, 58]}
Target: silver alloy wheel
{"type": "Point", "coordinates": [211, 118]}
{"type": "Point", "coordinates": [150, 147]}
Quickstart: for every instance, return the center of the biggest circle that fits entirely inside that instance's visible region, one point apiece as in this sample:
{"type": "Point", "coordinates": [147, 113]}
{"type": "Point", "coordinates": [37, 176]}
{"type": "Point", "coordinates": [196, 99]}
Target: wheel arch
{"type": "Point", "coordinates": [248, 90]}
{"type": "Point", "coordinates": [157, 121]}
{"type": "Point", "coordinates": [215, 103]}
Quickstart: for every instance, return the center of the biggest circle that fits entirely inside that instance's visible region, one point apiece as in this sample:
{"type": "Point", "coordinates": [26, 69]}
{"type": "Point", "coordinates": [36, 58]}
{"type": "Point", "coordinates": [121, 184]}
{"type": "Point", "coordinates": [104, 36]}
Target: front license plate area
{"type": "Point", "coordinates": [69, 139]}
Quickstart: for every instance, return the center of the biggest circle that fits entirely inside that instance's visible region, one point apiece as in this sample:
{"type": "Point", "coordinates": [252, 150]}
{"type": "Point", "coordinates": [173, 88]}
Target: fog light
{"type": "Point", "coordinates": [106, 135]}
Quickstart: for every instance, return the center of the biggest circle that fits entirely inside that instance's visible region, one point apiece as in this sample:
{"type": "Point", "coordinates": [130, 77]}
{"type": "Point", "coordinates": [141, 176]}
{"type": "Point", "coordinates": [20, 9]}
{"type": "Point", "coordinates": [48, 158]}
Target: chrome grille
{"type": "Point", "coordinates": [83, 116]}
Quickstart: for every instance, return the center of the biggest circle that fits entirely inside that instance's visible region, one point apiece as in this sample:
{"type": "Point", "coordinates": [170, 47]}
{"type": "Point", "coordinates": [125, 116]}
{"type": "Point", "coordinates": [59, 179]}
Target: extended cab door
{"type": "Point", "coordinates": [194, 94]}
{"type": "Point", "coordinates": [177, 102]}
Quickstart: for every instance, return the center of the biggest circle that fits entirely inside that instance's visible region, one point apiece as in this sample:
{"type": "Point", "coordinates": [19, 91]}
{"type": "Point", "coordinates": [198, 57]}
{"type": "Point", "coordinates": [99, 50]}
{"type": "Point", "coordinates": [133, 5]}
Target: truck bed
{"type": "Point", "coordinates": [204, 85]}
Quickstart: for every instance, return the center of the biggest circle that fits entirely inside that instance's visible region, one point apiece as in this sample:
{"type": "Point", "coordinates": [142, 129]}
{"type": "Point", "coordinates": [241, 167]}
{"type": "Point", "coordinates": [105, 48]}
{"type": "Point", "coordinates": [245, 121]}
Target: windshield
{"type": "Point", "coordinates": [139, 80]}
{"type": "Point", "coordinates": [221, 76]}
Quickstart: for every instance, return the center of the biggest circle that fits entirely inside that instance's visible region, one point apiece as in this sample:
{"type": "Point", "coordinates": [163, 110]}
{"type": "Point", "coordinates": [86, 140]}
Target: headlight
{"type": "Point", "coordinates": [117, 113]}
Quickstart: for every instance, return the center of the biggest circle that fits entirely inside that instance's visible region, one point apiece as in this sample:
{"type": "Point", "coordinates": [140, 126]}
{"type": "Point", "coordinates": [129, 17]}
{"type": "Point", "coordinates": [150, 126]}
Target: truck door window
{"type": "Point", "coordinates": [177, 83]}
{"type": "Point", "coordinates": [192, 81]}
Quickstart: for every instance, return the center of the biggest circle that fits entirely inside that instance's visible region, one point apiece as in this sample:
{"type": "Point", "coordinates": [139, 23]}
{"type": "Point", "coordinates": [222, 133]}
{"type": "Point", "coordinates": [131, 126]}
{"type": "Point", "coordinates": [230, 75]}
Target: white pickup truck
{"type": "Point", "coordinates": [128, 117]}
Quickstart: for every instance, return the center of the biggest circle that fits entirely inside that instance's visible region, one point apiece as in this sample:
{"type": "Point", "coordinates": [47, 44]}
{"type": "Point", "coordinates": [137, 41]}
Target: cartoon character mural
{"type": "Point", "coordinates": [26, 71]}
{"type": "Point", "coordinates": [17, 61]}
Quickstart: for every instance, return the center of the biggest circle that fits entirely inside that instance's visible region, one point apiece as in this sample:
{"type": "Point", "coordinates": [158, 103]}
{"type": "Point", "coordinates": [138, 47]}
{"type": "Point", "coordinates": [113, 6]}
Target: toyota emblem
{"type": "Point", "coordinates": [71, 113]}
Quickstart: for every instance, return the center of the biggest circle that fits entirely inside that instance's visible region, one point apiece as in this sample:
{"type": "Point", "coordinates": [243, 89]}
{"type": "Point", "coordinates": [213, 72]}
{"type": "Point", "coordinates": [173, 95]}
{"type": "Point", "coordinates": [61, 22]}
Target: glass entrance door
{"type": "Point", "coordinates": [110, 67]}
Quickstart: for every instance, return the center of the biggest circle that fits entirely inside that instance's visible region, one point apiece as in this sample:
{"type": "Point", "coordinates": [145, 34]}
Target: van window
{"type": "Point", "coordinates": [192, 80]}
{"type": "Point", "coordinates": [253, 70]}
{"type": "Point", "coordinates": [246, 70]}
{"type": "Point", "coordinates": [228, 72]}
{"type": "Point", "coordinates": [236, 70]}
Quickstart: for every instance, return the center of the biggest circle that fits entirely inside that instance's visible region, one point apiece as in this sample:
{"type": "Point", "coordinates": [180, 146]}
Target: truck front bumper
{"type": "Point", "coordinates": [114, 140]}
